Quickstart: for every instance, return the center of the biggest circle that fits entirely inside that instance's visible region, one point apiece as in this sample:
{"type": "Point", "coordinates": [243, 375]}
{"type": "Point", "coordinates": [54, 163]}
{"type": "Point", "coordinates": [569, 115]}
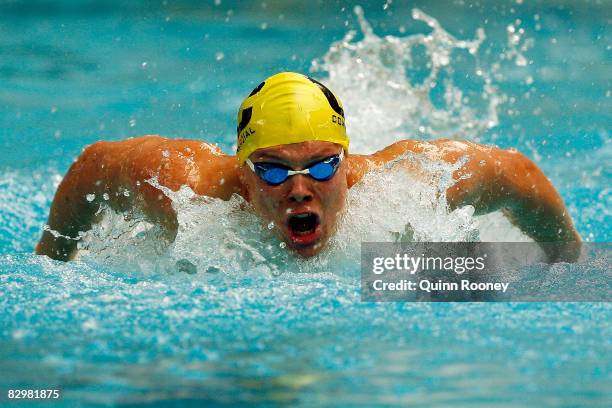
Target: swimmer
{"type": "Point", "coordinates": [293, 166]}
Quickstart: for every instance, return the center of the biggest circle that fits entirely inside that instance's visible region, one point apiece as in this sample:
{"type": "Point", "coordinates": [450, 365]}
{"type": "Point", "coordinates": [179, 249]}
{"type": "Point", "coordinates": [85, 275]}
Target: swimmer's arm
{"type": "Point", "coordinates": [492, 179]}
{"type": "Point", "coordinates": [98, 173]}
{"type": "Point", "coordinates": [508, 180]}
{"type": "Point", "coordinates": [106, 170]}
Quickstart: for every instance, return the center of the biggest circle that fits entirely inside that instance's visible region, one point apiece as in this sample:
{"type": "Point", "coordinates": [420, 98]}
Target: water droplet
{"type": "Point", "coordinates": [219, 56]}
{"type": "Point", "coordinates": [19, 334]}
{"type": "Point", "coordinates": [217, 2]}
{"type": "Point", "coordinates": [132, 122]}
{"type": "Point", "coordinates": [105, 196]}
{"type": "Point", "coordinates": [271, 225]}
{"type": "Point", "coordinates": [126, 193]}
{"type": "Point", "coordinates": [283, 245]}
{"type": "Point", "coordinates": [166, 153]}
{"type": "Point", "coordinates": [482, 163]}
{"type": "Point", "coordinates": [90, 197]}
{"type": "Point", "coordinates": [263, 26]}
{"type": "Point", "coordinates": [90, 324]}
{"type": "Point", "coordinates": [144, 65]}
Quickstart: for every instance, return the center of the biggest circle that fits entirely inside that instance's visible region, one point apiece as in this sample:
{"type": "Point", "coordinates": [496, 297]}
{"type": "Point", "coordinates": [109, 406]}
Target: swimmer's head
{"type": "Point", "coordinates": [289, 108]}
{"type": "Point", "coordinates": [291, 123]}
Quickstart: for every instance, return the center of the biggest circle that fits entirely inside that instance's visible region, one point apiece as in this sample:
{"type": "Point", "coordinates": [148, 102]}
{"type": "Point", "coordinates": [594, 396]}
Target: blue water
{"type": "Point", "coordinates": [74, 73]}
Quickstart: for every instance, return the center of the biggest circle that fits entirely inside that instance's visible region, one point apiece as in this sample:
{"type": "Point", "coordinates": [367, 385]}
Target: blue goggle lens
{"type": "Point", "coordinates": [275, 175]}
{"type": "Point", "coordinates": [322, 171]}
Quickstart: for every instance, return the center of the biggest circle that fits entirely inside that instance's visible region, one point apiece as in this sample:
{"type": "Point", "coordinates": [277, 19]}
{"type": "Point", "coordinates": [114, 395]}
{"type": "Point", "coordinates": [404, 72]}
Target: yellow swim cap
{"type": "Point", "coordinates": [289, 108]}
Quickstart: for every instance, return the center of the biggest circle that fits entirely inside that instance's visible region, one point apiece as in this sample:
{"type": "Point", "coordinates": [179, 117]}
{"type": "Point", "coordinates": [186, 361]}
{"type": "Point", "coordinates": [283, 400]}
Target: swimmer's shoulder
{"type": "Point", "coordinates": [443, 148]}
{"type": "Point", "coordinates": [394, 150]}
{"type": "Point", "coordinates": [438, 149]}
{"type": "Point", "coordinates": [198, 164]}
{"type": "Point", "coordinates": [150, 146]}
{"type": "Point", "coordinates": [360, 164]}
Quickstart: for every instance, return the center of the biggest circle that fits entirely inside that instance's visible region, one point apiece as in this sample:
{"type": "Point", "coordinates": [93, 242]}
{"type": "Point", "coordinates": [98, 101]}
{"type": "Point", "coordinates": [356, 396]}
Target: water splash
{"type": "Point", "coordinates": [403, 87]}
{"type": "Point", "coordinates": [405, 200]}
{"type": "Point", "coordinates": [517, 44]}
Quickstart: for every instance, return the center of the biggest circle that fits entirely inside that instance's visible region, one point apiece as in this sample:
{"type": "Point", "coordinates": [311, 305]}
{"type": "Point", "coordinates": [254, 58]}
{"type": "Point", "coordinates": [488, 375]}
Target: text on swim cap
{"type": "Point", "coordinates": [338, 119]}
{"type": "Point", "coordinates": [243, 136]}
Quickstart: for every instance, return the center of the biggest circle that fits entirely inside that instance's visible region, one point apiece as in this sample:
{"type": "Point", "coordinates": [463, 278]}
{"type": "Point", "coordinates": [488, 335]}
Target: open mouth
{"type": "Point", "coordinates": [303, 224]}
{"type": "Point", "coordinates": [304, 229]}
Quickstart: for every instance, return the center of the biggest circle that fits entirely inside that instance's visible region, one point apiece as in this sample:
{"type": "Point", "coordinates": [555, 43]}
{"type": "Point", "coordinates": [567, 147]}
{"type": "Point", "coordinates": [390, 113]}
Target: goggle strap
{"type": "Point", "coordinates": [251, 165]}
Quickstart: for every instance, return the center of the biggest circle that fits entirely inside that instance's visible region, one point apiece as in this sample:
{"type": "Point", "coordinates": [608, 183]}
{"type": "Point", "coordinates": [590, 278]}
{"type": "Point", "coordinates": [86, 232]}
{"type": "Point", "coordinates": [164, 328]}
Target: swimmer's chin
{"type": "Point", "coordinates": [307, 245]}
{"type": "Point", "coordinates": [308, 251]}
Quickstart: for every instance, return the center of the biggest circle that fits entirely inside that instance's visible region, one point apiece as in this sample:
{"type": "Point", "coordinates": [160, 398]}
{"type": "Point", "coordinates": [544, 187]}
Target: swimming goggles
{"type": "Point", "coordinates": [275, 174]}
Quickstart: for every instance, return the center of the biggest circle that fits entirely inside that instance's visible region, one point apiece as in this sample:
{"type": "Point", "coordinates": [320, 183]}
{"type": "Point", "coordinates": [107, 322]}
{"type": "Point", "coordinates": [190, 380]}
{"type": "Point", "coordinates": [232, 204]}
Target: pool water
{"type": "Point", "coordinates": [125, 325]}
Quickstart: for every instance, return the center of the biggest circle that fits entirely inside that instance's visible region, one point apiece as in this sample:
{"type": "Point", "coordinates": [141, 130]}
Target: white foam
{"type": "Point", "coordinates": [383, 102]}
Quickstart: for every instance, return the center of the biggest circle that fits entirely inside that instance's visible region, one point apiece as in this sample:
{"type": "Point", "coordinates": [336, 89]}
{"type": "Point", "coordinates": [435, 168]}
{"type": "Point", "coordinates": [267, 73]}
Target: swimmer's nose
{"type": "Point", "coordinates": [299, 189]}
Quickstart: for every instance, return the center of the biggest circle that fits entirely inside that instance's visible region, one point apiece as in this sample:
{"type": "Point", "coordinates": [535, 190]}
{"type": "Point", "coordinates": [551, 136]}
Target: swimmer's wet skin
{"type": "Point", "coordinates": [293, 166]}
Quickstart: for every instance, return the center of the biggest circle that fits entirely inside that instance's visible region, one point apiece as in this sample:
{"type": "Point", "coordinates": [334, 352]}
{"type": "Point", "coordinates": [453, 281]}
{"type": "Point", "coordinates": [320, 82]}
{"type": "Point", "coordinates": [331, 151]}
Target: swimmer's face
{"type": "Point", "coordinates": [304, 211]}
